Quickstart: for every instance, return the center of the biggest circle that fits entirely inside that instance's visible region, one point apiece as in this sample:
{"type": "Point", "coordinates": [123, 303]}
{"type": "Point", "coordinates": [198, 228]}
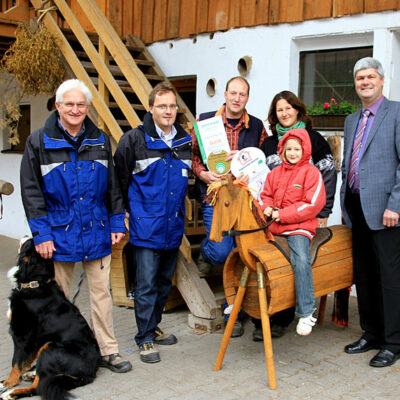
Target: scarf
{"type": "Point", "coordinates": [280, 130]}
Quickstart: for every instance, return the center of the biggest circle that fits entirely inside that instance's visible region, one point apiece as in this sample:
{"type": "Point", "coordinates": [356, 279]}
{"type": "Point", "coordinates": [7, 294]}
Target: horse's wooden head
{"type": "Point", "coordinates": [227, 208]}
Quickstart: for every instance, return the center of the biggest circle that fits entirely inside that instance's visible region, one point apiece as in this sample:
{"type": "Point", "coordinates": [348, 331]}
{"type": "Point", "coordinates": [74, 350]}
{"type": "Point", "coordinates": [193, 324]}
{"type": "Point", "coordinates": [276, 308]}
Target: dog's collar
{"type": "Point", "coordinates": [33, 284]}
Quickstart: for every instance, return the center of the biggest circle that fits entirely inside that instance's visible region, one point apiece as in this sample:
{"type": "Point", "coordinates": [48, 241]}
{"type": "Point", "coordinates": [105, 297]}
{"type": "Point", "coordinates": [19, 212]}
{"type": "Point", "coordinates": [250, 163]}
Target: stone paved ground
{"type": "Point", "coordinates": [313, 367]}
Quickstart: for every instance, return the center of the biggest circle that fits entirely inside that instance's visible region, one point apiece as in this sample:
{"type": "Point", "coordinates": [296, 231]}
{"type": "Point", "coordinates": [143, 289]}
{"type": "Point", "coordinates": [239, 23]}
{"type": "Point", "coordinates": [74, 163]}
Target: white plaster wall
{"type": "Point", "coordinates": [275, 58]}
{"type": "Point", "coordinates": [13, 223]}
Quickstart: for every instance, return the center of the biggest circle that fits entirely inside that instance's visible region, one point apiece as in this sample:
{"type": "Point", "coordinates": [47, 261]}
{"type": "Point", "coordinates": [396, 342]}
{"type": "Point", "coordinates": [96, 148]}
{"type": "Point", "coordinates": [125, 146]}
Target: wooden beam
{"type": "Point", "coordinates": [380, 5]}
{"type": "Point", "coordinates": [173, 14]}
{"type": "Point", "coordinates": [187, 18]}
{"type": "Point", "coordinates": [98, 63]}
{"type": "Point", "coordinates": [320, 9]}
{"type": "Point", "coordinates": [160, 20]}
{"type": "Point", "coordinates": [137, 17]}
{"type": "Point", "coordinates": [80, 73]}
{"type": "Point", "coordinates": [345, 7]}
{"type": "Point", "coordinates": [247, 12]}
{"type": "Point", "coordinates": [197, 294]}
{"type": "Point", "coordinates": [202, 16]}
{"type": "Point", "coordinates": [103, 91]}
{"type": "Point", "coordinates": [218, 15]}
{"type": "Point", "coordinates": [262, 12]}
{"type": "Point", "coordinates": [147, 21]}
{"type": "Point", "coordinates": [117, 49]}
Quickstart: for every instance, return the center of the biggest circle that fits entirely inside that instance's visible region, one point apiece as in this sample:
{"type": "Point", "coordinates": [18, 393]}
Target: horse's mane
{"type": "Point", "coordinates": [212, 196]}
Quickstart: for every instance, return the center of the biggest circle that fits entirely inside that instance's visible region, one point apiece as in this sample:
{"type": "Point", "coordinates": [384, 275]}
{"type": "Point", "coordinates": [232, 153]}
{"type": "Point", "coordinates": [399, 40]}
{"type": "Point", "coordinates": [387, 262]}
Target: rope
{"type": "Point", "coordinates": [44, 12]}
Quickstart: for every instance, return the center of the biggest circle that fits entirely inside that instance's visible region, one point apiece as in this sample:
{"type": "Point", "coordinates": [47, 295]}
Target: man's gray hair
{"type": "Point", "coordinates": [368, 62]}
{"type": "Point", "coordinates": [73, 84]}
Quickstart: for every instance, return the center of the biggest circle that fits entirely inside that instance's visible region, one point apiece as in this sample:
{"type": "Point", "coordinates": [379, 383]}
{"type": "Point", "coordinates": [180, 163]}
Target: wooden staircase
{"type": "Point", "coordinates": [120, 74]}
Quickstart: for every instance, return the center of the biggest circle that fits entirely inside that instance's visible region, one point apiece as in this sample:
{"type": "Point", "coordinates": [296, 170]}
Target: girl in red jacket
{"type": "Point", "coordinates": [293, 195]}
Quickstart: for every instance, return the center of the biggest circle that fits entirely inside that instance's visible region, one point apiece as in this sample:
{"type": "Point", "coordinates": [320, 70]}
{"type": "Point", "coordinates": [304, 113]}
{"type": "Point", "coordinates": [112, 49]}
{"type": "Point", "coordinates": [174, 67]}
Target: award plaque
{"type": "Point", "coordinates": [213, 144]}
{"type": "Point", "coordinates": [216, 163]}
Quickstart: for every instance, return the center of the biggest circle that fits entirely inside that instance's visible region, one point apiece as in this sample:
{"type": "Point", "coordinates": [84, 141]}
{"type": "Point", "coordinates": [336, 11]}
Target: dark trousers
{"type": "Point", "coordinates": [154, 272]}
{"type": "Point", "coordinates": [376, 264]}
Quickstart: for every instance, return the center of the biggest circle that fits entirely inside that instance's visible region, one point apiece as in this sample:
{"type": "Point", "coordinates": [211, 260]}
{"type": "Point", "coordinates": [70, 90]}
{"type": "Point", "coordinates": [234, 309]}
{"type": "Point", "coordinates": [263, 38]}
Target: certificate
{"type": "Point", "coordinates": [213, 144]}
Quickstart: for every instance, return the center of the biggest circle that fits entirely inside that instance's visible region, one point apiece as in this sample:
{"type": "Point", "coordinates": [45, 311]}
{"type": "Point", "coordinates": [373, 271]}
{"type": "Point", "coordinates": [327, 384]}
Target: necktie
{"type": "Point", "coordinates": [357, 147]}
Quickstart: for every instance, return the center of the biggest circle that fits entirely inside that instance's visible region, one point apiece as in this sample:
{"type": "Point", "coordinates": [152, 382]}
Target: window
{"type": "Point", "coordinates": [329, 73]}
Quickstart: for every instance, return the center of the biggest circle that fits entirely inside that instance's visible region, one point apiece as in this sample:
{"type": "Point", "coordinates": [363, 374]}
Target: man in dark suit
{"type": "Point", "coordinates": [370, 199]}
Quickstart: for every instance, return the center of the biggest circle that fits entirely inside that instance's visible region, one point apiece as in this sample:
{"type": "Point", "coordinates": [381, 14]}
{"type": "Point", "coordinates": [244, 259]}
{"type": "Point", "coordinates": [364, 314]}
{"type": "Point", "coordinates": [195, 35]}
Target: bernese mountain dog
{"type": "Point", "coordinates": [46, 328]}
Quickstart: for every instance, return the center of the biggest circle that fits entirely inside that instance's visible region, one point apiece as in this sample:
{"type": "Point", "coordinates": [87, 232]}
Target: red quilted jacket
{"type": "Point", "coordinates": [297, 190]}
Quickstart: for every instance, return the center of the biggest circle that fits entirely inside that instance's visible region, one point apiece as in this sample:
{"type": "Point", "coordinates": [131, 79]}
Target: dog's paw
{"type": "Point", "coordinates": [29, 375]}
{"type": "Point", "coordinates": [7, 395]}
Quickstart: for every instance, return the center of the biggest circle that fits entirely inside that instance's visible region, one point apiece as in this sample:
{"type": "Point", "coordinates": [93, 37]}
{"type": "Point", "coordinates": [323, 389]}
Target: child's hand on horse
{"type": "Point", "coordinates": [268, 211]}
{"type": "Point", "coordinates": [275, 215]}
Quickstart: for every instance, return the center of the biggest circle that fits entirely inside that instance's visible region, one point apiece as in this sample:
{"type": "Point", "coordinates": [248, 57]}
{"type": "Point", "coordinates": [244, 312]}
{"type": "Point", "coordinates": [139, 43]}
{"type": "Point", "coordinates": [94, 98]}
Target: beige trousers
{"type": "Point", "coordinates": [98, 276]}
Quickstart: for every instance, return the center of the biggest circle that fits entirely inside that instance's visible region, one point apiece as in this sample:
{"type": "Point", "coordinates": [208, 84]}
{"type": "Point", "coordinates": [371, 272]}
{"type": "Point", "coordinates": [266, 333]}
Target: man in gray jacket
{"type": "Point", "coordinates": [370, 199]}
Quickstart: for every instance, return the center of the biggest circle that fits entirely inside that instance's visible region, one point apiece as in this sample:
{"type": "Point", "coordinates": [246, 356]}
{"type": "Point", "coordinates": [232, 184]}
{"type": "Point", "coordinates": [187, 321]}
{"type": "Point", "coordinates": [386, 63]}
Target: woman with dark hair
{"type": "Point", "coordinates": [288, 112]}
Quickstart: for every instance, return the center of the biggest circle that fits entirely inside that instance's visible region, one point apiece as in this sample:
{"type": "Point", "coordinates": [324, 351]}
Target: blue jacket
{"type": "Point", "coordinates": [70, 191]}
{"type": "Point", "coordinates": [153, 179]}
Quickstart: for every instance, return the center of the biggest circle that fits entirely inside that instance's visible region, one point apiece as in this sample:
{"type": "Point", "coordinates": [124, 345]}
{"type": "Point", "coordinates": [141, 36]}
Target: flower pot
{"type": "Point", "coordinates": [328, 121]}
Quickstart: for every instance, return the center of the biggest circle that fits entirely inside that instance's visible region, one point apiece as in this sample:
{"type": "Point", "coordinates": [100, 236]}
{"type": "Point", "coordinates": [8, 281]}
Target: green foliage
{"type": "Point", "coordinates": [333, 107]}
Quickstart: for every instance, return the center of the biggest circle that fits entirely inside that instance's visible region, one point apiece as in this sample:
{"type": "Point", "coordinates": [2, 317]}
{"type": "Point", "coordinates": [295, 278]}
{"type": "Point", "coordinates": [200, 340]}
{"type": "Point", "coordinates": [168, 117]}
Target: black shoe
{"type": "Point", "coordinates": [238, 329]}
{"type": "Point", "coordinates": [115, 363]}
{"type": "Point", "coordinates": [277, 331]}
{"type": "Point", "coordinates": [164, 338]}
{"type": "Point", "coordinates": [384, 358]}
{"type": "Point", "coordinates": [258, 335]}
{"type": "Point", "coordinates": [361, 346]}
{"type": "Point", "coordinates": [148, 353]}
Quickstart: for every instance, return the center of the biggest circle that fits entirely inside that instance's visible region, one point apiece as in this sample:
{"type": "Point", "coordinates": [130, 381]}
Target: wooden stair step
{"type": "Point", "coordinates": [94, 38]}
{"type": "Point", "coordinates": [123, 122]}
{"type": "Point", "coordinates": [138, 107]}
{"type": "Point", "coordinates": [114, 69]}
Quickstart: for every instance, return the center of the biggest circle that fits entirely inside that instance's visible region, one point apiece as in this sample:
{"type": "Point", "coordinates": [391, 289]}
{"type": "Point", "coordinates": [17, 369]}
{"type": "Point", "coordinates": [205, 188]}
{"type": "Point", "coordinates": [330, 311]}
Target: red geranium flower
{"type": "Point", "coordinates": [333, 101]}
{"type": "Point", "coordinates": [326, 106]}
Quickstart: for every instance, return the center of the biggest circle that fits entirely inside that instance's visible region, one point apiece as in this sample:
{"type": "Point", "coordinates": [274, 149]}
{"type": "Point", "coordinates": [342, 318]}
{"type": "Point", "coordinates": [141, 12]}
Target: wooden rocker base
{"type": "Point", "coordinates": [262, 295]}
{"type": "Point", "coordinates": [265, 322]}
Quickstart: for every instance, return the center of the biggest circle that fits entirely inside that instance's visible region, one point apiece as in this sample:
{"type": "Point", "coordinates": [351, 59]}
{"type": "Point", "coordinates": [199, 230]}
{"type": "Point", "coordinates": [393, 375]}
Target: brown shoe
{"type": "Point", "coordinates": [115, 363]}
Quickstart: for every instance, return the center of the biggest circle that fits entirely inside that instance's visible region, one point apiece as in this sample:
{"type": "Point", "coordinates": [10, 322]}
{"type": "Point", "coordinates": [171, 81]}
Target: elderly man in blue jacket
{"type": "Point", "coordinates": [74, 206]}
{"type": "Point", "coordinates": [153, 162]}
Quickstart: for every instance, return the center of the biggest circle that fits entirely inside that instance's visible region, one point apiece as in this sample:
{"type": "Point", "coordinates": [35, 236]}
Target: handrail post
{"type": "Point", "coordinates": [103, 91]}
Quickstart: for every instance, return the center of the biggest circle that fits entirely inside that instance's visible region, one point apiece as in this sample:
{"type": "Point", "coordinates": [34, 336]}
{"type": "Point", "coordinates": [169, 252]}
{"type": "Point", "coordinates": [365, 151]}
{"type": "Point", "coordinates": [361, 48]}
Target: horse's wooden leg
{"type": "Point", "coordinates": [269, 355]}
{"type": "Point", "coordinates": [321, 312]}
{"type": "Point", "coordinates": [232, 319]}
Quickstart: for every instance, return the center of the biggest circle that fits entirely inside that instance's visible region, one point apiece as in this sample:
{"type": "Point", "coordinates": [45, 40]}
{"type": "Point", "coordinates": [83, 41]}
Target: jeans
{"type": "Point", "coordinates": [154, 272]}
{"type": "Point", "coordinates": [213, 252]}
{"type": "Point", "coordinates": [303, 278]}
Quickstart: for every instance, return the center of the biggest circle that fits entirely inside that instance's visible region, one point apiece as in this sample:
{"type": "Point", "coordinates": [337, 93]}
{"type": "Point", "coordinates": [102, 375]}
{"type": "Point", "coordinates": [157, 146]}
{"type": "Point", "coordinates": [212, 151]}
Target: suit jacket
{"type": "Point", "coordinates": [379, 168]}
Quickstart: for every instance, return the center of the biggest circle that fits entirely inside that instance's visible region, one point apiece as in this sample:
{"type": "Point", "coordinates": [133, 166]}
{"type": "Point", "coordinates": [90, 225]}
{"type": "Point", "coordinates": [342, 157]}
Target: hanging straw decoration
{"type": "Point", "coordinates": [35, 60]}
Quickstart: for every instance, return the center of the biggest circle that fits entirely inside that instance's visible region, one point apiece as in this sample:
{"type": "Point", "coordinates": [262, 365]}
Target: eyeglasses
{"type": "Point", "coordinates": [163, 107]}
{"type": "Point", "coordinates": [70, 106]}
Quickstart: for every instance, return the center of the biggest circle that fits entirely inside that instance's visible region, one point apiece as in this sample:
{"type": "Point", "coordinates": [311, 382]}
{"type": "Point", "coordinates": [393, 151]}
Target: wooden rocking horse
{"type": "Point", "coordinates": [257, 274]}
